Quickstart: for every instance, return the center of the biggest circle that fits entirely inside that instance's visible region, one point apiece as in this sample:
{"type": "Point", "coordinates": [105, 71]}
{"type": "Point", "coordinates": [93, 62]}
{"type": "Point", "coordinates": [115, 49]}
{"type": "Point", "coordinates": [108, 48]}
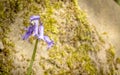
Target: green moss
{"type": "Point", "coordinates": [25, 23]}
{"type": "Point", "coordinates": [86, 47]}
{"type": "Point", "coordinates": [110, 54]}
{"type": "Point", "coordinates": [74, 58]}
{"type": "Point", "coordinates": [117, 1]}
{"type": "Point", "coordinates": [8, 42]}
{"type": "Point", "coordinates": [58, 5]}
{"type": "Point", "coordinates": [6, 62]}
{"type": "Point", "coordinates": [118, 60]}
{"type": "Point", "coordinates": [6, 19]}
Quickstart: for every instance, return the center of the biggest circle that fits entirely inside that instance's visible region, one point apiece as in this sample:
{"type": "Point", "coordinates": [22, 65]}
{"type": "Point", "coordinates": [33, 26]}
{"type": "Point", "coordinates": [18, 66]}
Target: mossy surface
{"type": "Point", "coordinates": [75, 39]}
{"type": "Point", "coordinates": [6, 53]}
{"type": "Point", "coordinates": [117, 1]}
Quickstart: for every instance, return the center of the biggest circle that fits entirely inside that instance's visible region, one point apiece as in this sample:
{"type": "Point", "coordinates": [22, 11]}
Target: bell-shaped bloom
{"type": "Point", "coordinates": [38, 31]}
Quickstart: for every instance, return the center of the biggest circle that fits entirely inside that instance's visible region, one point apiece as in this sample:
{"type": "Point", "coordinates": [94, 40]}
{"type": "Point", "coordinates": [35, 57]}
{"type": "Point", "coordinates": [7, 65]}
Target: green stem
{"type": "Point", "coordinates": [32, 59]}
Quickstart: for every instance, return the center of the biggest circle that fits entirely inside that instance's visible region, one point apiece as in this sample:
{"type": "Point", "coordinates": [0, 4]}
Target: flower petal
{"type": "Point", "coordinates": [29, 32]}
{"type": "Point", "coordinates": [34, 18]}
{"type": "Point", "coordinates": [48, 41]}
{"type": "Point", "coordinates": [35, 31]}
{"type": "Point", "coordinates": [41, 32]}
{"type": "Point", "coordinates": [26, 36]}
{"type": "Point", "coordinates": [50, 45]}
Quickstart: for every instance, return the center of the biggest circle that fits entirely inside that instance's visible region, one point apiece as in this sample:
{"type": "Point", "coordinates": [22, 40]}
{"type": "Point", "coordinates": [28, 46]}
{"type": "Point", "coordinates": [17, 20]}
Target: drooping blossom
{"type": "Point", "coordinates": [37, 31]}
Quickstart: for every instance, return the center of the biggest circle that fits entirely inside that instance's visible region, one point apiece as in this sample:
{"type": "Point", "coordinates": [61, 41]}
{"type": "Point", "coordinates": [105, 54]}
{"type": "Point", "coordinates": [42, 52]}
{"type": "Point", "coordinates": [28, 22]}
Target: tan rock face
{"type": "Point", "coordinates": [105, 15]}
{"type": "Point", "coordinates": [78, 49]}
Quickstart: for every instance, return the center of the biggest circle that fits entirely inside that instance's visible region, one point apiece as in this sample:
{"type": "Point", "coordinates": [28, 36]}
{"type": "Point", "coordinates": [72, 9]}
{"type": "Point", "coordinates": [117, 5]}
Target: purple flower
{"type": "Point", "coordinates": [29, 32]}
{"type": "Point", "coordinates": [35, 21]}
{"type": "Point", "coordinates": [48, 41]}
{"type": "Point", "coordinates": [38, 31]}
{"type": "Point", "coordinates": [41, 32]}
{"type": "Point", "coordinates": [34, 18]}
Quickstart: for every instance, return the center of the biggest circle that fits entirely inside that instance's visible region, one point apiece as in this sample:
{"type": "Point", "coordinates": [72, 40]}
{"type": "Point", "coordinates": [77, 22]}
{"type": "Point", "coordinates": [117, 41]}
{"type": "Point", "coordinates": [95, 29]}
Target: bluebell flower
{"type": "Point", "coordinates": [38, 31]}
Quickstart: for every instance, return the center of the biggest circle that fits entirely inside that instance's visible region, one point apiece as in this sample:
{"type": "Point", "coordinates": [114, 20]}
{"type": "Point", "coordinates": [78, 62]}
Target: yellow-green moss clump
{"type": "Point", "coordinates": [78, 47]}
{"type": "Point", "coordinates": [6, 53]}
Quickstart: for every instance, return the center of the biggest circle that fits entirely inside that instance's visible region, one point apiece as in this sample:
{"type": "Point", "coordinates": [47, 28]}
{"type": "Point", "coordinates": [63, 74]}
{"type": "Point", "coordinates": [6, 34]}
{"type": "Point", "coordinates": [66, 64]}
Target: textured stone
{"type": "Point", "coordinates": [1, 45]}
{"type": "Point", "coordinates": [104, 14]}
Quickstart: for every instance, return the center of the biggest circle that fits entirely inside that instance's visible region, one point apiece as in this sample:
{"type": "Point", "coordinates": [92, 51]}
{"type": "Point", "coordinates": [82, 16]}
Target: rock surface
{"type": "Point", "coordinates": [105, 15]}
{"type": "Point", "coordinates": [79, 49]}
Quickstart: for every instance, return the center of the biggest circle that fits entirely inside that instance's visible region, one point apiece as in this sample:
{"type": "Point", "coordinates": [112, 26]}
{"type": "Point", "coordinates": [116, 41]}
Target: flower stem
{"type": "Point", "coordinates": [32, 59]}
